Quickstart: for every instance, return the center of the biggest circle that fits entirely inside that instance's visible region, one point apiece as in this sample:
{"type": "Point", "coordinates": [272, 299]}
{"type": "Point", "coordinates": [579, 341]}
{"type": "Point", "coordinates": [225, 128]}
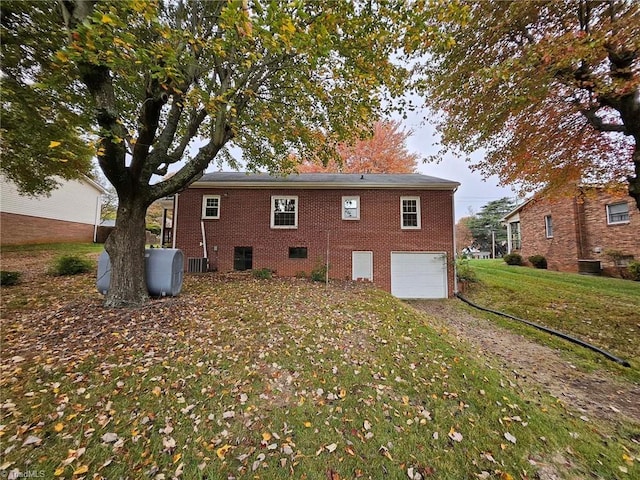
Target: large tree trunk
{"type": "Point", "coordinates": [125, 247]}
{"type": "Point", "coordinates": [634, 180]}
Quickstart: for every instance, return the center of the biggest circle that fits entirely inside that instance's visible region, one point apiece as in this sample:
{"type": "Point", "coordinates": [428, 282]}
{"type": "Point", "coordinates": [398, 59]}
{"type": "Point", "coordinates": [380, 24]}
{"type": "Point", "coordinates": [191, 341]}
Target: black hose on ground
{"type": "Point", "coordinates": [577, 341]}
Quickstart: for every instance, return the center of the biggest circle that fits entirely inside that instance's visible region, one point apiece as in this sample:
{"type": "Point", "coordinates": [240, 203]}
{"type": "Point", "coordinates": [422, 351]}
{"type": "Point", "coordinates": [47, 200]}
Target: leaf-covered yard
{"type": "Point", "coordinates": [282, 378]}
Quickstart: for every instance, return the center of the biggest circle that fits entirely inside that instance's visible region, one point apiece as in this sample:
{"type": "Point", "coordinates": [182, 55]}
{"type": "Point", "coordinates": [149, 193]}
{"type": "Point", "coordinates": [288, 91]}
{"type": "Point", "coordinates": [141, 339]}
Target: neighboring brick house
{"type": "Point", "coordinates": [71, 213]}
{"type": "Point", "coordinates": [396, 230]}
{"type": "Point", "coordinates": [588, 225]}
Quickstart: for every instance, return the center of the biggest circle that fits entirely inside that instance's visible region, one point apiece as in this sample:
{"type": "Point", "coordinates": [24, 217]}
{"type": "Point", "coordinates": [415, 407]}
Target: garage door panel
{"type": "Point", "coordinates": [418, 275]}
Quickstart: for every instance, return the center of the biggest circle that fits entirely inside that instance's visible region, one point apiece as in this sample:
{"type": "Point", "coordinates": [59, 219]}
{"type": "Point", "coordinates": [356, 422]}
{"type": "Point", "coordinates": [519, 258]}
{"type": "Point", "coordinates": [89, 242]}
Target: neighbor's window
{"type": "Point", "coordinates": [618, 213]}
{"type": "Point", "coordinates": [410, 212]}
{"type": "Point", "coordinates": [284, 212]}
{"type": "Point", "coordinates": [515, 235]}
{"type": "Point", "coordinates": [297, 252]}
{"type": "Point", "coordinates": [351, 208]}
{"type": "Point", "coordinates": [548, 226]}
{"type": "Point", "coordinates": [211, 206]}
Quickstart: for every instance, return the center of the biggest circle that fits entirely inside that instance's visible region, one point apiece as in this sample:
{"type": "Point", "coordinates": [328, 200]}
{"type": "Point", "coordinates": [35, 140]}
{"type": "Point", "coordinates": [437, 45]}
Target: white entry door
{"type": "Point", "coordinates": [362, 266]}
{"type": "Point", "coordinates": [418, 275]}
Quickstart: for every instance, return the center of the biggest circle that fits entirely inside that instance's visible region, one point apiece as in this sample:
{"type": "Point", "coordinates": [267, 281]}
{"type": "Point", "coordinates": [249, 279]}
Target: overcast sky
{"type": "Point", "coordinates": [474, 191]}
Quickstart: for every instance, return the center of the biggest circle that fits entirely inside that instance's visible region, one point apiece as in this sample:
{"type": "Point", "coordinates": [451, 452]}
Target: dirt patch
{"type": "Point", "coordinates": [537, 367]}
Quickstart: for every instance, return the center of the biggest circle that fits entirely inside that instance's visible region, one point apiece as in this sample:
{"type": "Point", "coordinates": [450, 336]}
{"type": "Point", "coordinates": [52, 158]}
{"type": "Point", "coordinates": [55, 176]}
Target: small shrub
{"type": "Point", "coordinates": [71, 265]}
{"type": "Point", "coordinates": [263, 273]}
{"type": "Point", "coordinates": [538, 261]}
{"type": "Point", "coordinates": [464, 272]}
{"type": "Point", "coordinates": [154, 228]}
{"type": "Point", "coordinates": [301, 274]}
{"type": "Point", "coordinates": [513, 259]}
{"type": "Point", "coordinates": [9, 278]}
{"type": "Point", "coordinates": [319, 273]}
{"type": "Point", "coordinates": [633, 270]}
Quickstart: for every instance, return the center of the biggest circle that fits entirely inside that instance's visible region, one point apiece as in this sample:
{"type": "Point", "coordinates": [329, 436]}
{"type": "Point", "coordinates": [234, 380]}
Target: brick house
{"type": "Point", "coordinates": [396, 230]}
{"type": "Point", "coordinates": [586, 225]}
{"type": "Point", "coordinates": [71, 213]}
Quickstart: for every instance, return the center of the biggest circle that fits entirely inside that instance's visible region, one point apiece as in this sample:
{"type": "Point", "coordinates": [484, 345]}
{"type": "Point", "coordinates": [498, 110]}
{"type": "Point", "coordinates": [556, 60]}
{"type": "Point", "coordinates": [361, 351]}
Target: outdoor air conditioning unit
{"type": "Point", "coordinates": [197, 265]}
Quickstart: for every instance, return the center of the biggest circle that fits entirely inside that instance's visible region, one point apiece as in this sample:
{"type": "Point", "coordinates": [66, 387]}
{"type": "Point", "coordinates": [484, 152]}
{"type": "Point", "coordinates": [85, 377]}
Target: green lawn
{"type": "Point", "coordinates": [56, 248]}
{"type": "Point", "coordinates": [269, 379]}
{"type": "Point", "coordinates": [602, 311]}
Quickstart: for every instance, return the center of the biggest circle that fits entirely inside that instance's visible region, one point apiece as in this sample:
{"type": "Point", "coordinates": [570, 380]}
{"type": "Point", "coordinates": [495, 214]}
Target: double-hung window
{"type": "Point", "coordinates": [211, 207]}
{"type": "Point", "coordinates": [618, 213]}
{"type": "Point", "coordinates": [284, 212]}
{"type": "Point", "coordinates": [548, 226]}
{"type": "Point", "coordinates": [514, 228]}
{"type": "Point", "coordinates": [410, 213]}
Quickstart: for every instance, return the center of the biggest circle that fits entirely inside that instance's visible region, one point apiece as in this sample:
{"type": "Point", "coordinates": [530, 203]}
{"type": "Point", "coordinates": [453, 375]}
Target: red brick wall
{"type": "Point", "coordinates": [245, 221]}
{"type": "Point", "coordinates": [601, 237]}
{"type": "Point", "coordinates": [561, 251]}
{"type": "Point", "coordinates": [580, 230]}
{"type": "Point", "coordinates": [23, 229]}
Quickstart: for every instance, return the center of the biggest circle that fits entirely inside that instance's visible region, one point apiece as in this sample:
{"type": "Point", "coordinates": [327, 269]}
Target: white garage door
{"type": "Point", "coordinates": [418, 275]}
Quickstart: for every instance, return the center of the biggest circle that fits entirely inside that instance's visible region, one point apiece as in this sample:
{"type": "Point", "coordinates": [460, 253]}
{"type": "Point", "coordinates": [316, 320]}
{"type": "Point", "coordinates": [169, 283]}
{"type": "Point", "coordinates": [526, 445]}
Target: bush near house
{"type": "Point", "coordinates": [319, 273]}
{"type": "Point", "coordinates": [464, 272]}
{"type": "Point", "coordinates": [9, 278]}
{"type": "Point", "coordinates": [513, 259]}
{"type": "Point", "coordinates": [262, 273]}
{"type": "Point", "coordinates": [633, 270]}
{"type": "Point", "coordinates": [538, 261]}
{"type": "Point", "coordinates": [71, 265]}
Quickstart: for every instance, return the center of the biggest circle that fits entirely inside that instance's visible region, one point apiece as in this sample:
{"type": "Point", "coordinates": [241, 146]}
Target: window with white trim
{"type": "Point", "coordinates": [548, 226]}
{"type": "Point", "coordinates": [514, 228]}
{"type": "Point", "coordinates": [350, 208]}
{"type": "Point", "coordinates": [284, 212]}
{"type": "Point", "coordinates": [618, 213]}
{"type": "Point", "coordinates": [211, 206]}
{"type": "Point", "coordinates": [410, 212]}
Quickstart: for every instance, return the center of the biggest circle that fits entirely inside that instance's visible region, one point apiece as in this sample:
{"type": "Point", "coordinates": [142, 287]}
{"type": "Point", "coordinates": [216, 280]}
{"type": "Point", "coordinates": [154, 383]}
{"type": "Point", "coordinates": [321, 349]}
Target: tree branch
{"type": "Point", "coordinates": [197, 117]}
{"type": "Point", "coordinates": [598, 123]}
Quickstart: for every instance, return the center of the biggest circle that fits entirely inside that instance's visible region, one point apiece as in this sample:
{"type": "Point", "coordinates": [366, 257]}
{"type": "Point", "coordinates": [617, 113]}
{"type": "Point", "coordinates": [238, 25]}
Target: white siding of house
{"type": "Point", "coordinates": [74, 201]}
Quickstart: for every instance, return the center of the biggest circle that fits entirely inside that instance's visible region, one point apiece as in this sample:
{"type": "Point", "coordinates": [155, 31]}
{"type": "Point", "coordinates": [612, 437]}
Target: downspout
{"type": "Point", "coordinates": [97, 218]}
{"type": "Point", "coordinates": [455, 252]}
{"type": "Point", "coordinates": [578, 204]}
{"type": "Point", "coordinates": [204, 239]}
{"type": "Point", "coordinates": [326, 276]}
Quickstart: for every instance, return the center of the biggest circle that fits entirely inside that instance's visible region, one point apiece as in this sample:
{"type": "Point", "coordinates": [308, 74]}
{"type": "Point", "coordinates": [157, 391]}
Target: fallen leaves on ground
{"type": "Point", "coordinates": [242, 377]}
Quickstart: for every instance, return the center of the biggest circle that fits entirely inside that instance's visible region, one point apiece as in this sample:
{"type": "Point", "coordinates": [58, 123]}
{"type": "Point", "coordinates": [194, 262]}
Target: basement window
{"type": "Point", "coordinates": [297, 252]}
